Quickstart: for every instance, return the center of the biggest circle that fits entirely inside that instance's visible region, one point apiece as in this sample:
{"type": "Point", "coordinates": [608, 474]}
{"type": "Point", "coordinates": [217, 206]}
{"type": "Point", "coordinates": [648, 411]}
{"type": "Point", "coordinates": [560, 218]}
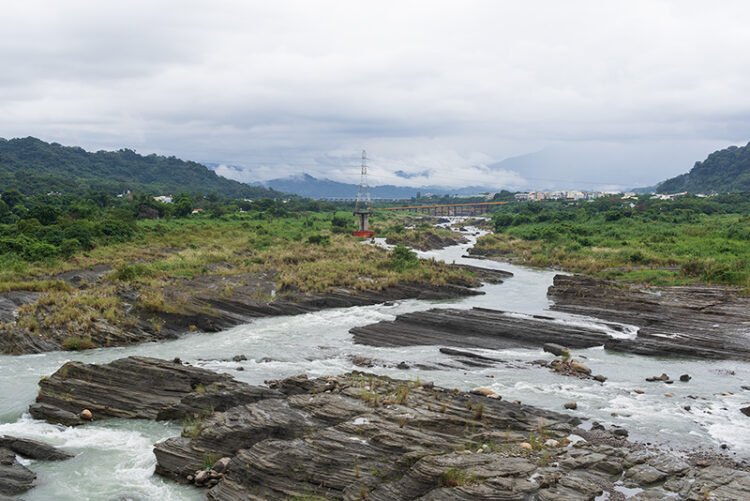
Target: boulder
{"type": "Point", "coordinates": [165, 390]}
{"type": "Point", "coordinates": [14, 477]}
{"type": "Point", "coordinates": [33, 449]}
{"type": "Point", "coordinates": [556, 349]}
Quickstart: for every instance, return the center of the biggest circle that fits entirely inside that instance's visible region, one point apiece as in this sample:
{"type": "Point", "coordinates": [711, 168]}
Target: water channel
{"type": "Point", "coordinates": [114, 459]}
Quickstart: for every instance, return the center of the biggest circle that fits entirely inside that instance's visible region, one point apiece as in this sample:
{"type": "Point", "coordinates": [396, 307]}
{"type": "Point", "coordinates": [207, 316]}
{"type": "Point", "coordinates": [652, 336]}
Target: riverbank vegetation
{"type": "Point", "coordinates": [682, 241]}
{"type": "Point", "coordinates": [115, 262]}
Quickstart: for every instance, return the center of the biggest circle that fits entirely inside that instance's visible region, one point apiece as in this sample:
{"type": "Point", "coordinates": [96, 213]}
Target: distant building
{"type": "Point", "coordinates": [165, 199]}
{"type": "Point", "coordinates": [521, 197]}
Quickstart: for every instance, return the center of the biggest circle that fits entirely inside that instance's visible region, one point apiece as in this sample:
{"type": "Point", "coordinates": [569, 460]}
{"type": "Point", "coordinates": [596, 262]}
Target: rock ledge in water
{"type": "Point", "coordinates": [138, 387]}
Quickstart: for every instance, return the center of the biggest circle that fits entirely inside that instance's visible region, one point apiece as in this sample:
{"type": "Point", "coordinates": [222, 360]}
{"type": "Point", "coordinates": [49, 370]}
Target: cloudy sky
{"type": "Point", "coordinates": [597, 92]}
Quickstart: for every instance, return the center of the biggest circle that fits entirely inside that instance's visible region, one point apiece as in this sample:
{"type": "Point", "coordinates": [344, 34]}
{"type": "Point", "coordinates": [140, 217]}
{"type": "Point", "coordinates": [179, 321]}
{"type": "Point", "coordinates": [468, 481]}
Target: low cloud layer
{"type": "Point", "coordinates": [435, 91]}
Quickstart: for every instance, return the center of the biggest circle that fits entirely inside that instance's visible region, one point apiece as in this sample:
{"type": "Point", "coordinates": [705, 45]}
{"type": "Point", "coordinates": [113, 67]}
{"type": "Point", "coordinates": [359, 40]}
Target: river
{"type": "Point", "coordinates": [114, 459]}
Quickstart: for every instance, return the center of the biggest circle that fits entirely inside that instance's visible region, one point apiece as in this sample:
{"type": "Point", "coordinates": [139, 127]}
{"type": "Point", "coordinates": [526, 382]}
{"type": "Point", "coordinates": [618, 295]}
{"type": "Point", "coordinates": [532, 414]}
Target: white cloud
{"type": "Point", "coordinates": [442, 87]}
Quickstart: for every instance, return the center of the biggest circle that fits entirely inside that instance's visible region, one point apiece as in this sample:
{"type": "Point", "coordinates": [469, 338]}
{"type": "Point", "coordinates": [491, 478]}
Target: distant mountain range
{"type": "Point", "coordinates": [308, 186]}
{"type": "Point", "coordinates": [33, 166]}
{"type": "Point", "coordinates": [726, 170]}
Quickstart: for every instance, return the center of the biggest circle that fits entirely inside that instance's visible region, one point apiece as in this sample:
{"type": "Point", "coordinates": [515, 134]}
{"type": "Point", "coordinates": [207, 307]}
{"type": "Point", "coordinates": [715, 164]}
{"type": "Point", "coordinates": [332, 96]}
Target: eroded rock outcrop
{"type": "Point", "coordinates": [361, 436]}
{"type": "Point", "coordinates": [16, 478]}
{"type": "Point", "coordinates": [693, 321]}
{"type": "Point", "coordinates": [475, 328]}
{"type": "Point", "coordinates": [139, 387]}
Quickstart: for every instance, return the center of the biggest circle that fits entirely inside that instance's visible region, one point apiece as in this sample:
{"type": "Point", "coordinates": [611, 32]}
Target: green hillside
{"type": "Point", "coordinates": [35, 167]}
{"type": "Point", "coordinates": [724, 171]}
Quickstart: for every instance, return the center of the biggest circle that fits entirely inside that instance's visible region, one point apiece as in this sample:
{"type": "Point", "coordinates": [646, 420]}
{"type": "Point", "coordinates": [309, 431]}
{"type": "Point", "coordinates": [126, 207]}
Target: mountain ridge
{"type": "Point", "coordinates": [34, 166]}
{"type": "Point", "coordinates": [309, 186]}
{"type": "Point", "coordinates": [725, 170]}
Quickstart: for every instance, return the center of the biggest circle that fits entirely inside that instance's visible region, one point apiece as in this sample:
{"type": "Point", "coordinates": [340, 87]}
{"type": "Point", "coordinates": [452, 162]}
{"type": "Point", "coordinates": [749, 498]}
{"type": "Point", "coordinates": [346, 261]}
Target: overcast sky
{"type": "Point", "coordinates": [434, 90]}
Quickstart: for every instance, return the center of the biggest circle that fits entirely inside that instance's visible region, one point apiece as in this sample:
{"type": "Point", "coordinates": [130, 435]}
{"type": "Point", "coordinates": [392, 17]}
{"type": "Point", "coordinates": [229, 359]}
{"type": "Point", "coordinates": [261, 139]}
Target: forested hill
{"type": "Point", "coordinates": [34, 167]}
{"type": "Point", "coordinates": [726, 170]}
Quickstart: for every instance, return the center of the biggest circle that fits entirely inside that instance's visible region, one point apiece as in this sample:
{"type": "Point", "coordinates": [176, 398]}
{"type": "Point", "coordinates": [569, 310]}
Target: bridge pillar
{"type": "Point", "coordinates": [363, 220]}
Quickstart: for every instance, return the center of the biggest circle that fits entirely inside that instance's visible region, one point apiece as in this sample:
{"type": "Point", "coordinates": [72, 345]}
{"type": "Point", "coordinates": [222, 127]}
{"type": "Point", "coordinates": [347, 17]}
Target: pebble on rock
{"type": "Point", "coordinates": [86, 415]}
{"type": "Point", "coordinates": [486, 392]}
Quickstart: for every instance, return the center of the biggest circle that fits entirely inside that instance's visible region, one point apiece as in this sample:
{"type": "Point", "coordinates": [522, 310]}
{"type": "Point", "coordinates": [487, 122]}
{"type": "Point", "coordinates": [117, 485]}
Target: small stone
{"type": "Point", "coordinates": [525, 445]}
{"type": "Point", "coordinates": [177, 360]}
{"type": "Point", "coordinates": [486, 392]}
{"type": "Point", "coordinates": [571, 406]}
{"type": "Point", "coordinates": [724, 446]}
{"type": "Point", "coordinates": [239, 358]}
{"type": "Point", "coordinates": [190, 478]}
{"type": "Point", "coordinates": [86, 415]}
{"type": "Point", "coordinates": [596, 425]}
{"type": "Point", "coordinates": [668, 381]}
{"type": "Point", "coordinates": [639, 391]}
{"type": "Point", "coordinates": [578, 367]}
{"type": "Point", "coordinates": [239, 368]}
{"type": "Point", "coordinates": [663, 377]}
{"type": "Point", "coordinates": [668, 395]}
{"type": "Point", "coordinates": [745, 411]}
{"type": "Point", "coordinates": [428, 386]}
{"type": "Point", "coordinates": [687, 408]}
{"type": "Point", "coordinates": [552, 443]}
{"type": "Point", "coordinates": [403, 366]}
{"type": "Point", "coordinates": [746, 388]}
{"type": "Point", "coordinates": [620, 432]}
{"type": "Point", "coordinates": [221, 465]}
{"type": "Point", "coordinates": [201, 477]}
{"type": "Point", "coordinates": [685, 378]}
{"type": "Point", "coordinates": [600, 378]}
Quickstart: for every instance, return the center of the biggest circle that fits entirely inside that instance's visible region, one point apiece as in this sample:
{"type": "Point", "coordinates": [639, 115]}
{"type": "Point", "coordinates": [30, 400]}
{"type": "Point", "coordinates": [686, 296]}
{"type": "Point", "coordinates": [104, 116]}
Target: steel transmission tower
{"type": "Point", "coordinates": [363, 206]}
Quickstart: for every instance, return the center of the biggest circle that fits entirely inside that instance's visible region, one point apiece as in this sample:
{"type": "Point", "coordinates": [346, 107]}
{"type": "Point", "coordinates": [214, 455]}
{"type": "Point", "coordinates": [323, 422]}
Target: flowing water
{"type": "Point", "coordinates": [114, 459]}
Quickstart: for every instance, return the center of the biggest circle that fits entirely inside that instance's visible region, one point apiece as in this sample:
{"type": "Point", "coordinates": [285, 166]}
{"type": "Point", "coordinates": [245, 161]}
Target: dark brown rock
{"type": "Point", "coordinates": [475, 328]}
{"type": "Point", "coordinates": [689, 321]}
{"type": "Point", "coordinates": [14, 477]}
{"type": "Point", "coordinates": [164, 390]}
{"type": "Point", "coordinates": [33, 449]}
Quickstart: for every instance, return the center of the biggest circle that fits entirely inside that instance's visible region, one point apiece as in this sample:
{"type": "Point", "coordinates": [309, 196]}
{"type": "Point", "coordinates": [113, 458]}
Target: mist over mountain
{"type": "Point", "coordinates": [594, 166]}
{"type": "Point", "coordinates": [33, 166]}
{"type": "Point", "coordinates": [308, 186]}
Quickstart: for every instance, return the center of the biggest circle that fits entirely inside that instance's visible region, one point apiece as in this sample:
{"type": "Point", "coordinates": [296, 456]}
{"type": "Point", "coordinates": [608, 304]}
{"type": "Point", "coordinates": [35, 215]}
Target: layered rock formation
{"type": "Point", "coordinates": [476, 328]}
{"type": "Point", "coordinates": [15, 478]}
{"type": "Point", "coordinates": [361, 436]}
{"type": "Point", "coordinates": [692, 321]}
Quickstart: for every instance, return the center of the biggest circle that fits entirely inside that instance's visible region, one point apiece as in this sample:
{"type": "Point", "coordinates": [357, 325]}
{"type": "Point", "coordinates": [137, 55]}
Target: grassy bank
{"type": "Point", "coordinates": [684, 241]}
{"type": "Point", "coordinates": [167, 261]}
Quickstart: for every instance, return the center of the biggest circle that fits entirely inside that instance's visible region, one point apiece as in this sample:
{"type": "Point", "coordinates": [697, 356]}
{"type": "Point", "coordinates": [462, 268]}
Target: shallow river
{"type": "Point", "coordinates": [114, 459]}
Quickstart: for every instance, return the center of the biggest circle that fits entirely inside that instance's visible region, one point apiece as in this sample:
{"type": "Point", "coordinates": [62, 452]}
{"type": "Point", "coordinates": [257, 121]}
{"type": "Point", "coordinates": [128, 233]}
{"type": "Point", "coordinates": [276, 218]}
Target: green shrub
{"type": "Point", "coordinates": [76, 343]}
{"type": "Point", "coordinates": [403, 258]}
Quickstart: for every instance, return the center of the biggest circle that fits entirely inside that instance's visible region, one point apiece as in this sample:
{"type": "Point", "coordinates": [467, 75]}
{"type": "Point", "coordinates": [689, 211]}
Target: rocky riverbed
{"type": "Point", "coordinates": [362, 436]}
{"type": "Point", "coordinates": [210, 303]}
{"type": "Point", "coordinates": [691, 321]}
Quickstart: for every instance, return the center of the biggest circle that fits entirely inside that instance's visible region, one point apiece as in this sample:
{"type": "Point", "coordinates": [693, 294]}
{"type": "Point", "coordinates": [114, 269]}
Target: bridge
{"type": "Point", "coordinates": [460, 209]}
